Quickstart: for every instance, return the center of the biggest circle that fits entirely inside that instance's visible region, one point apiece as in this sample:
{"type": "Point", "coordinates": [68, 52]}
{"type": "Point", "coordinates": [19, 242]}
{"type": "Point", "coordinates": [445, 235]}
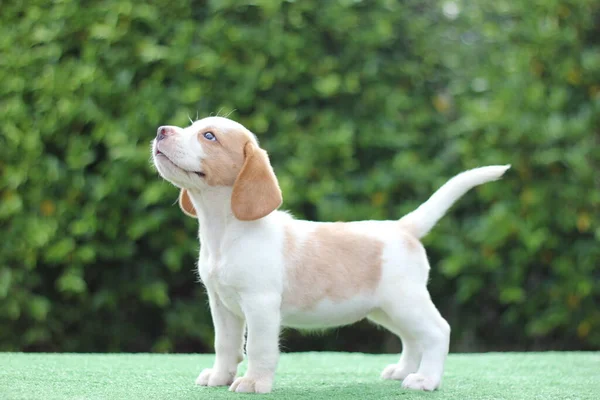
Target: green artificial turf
{"type": "Point", "coordinates": [550, 375]}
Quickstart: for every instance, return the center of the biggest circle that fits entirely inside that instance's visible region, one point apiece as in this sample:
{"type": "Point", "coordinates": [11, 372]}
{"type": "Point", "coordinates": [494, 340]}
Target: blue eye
{"type": "Point", "coordinates": [210, 136]}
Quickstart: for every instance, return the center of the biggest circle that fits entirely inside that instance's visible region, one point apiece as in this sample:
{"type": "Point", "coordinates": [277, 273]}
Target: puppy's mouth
{"type": "Point", "coordinates": [161, 154]}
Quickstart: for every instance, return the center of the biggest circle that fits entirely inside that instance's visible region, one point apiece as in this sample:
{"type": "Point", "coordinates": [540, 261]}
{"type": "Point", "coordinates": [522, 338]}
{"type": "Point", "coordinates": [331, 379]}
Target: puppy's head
{"type": "Point", "coordinates": [217, 151]}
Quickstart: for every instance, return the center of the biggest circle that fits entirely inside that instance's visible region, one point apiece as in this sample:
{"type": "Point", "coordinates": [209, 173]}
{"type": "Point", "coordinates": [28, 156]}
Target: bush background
{"type": "Point", "coordinates": [366, 107]}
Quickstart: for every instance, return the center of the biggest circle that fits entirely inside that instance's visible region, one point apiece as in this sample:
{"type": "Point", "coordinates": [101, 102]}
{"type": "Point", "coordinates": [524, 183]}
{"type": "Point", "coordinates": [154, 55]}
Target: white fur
{"type": "Point", "coordinates": [242, 266]}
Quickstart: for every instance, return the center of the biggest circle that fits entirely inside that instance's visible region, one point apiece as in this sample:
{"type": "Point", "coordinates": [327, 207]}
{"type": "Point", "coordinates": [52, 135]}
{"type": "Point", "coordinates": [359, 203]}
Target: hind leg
{"type": "Point", "coordinates": [410, 357]}
{"type": "Point", "coordinates": [424, 328]}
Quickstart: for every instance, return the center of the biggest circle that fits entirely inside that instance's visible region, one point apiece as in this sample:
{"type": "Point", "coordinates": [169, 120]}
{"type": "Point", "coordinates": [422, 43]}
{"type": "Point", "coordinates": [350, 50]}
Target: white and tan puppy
{"type": "Point", "coordinates": [263, 269]}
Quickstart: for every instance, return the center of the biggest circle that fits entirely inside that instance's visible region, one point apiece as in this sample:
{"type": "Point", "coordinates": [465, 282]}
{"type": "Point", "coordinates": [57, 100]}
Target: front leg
{"type": "Point", "coordinates": [229, 337]}
{"type": "Point", "coordinates": [262, 314]}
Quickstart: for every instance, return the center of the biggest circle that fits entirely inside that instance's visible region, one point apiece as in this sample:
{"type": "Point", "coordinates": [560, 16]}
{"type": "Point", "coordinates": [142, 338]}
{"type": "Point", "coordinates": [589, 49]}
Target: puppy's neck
{"type": "Point", "coordinates": [213, 208]}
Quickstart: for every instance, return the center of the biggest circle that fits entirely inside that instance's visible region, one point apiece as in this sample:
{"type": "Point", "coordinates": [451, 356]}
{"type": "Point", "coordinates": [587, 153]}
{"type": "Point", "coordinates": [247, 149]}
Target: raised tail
{"type": "Point", "coordinates": [423, 219]}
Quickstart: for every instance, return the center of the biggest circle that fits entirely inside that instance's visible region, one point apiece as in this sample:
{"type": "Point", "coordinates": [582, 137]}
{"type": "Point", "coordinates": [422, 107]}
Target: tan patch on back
{"type": "Point", "coordinates": [224, 157]}
{"type": "Point", "coordinates": [330, 263]}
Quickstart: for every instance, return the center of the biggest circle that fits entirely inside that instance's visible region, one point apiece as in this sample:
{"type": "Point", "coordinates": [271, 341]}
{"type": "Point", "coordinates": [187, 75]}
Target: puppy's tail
{"type": "Point", "coordinates": [420, 221]}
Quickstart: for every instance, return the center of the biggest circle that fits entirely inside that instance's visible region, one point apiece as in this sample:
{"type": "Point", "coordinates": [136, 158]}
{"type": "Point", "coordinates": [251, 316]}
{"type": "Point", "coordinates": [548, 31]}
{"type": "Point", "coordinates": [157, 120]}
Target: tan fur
{"type": "Point", "coordinates": [186, 204]}
{"type": "Point", "coordinates": [224, 157]}
{"type": "Point", "coordinates": [408, 227]}
{"type": "Point", "coordinates": [256, 192]}
{"type": "Point", "coordinates": [331, 263]}
{"type": "Point", "coordinates": [412, 243]}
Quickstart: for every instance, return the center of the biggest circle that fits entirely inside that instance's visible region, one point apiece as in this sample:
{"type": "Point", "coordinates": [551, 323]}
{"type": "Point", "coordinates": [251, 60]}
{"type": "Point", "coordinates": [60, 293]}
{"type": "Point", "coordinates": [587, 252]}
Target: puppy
{"type": "Point", "coordinates": [263, 269]}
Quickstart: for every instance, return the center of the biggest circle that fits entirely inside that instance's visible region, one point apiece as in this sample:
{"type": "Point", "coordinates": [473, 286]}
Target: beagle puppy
{"type": "Point", "coordinates": [264, 270]}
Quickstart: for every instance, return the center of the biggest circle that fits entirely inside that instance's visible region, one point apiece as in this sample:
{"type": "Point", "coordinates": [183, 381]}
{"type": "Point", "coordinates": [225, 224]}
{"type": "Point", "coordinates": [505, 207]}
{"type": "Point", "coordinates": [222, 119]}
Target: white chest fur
{"type": "Point", "coordinates": [220, 281]}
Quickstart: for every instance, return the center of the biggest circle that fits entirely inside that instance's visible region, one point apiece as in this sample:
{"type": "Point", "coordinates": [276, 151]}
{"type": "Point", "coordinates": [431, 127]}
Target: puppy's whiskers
{"type": "Point", "coordinates": [229, 113]}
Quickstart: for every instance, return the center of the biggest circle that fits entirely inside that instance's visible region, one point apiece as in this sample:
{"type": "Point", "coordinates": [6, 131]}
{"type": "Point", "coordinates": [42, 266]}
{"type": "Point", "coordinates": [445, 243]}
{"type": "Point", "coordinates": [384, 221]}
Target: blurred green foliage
{"type": "Point", "coordinates": [366, 107]}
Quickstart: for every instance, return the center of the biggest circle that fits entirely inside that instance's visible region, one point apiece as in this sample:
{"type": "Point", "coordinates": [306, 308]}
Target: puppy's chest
{"type": "Point", "coordinates": [222, 281]}
{"type": "Point", "coordinates": [215, 271]}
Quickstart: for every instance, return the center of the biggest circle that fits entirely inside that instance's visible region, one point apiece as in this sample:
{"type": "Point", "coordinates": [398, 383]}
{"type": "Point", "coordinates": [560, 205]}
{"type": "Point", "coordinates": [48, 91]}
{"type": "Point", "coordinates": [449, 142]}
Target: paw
{"type": "Point", "coordinates": [208, 377]}
{"type": "Point", "coordinates": [396, 372]}
{"type": "Point", "coordinates": [420, 382]}
{"type": "Point", "coordinates": [248, 385]}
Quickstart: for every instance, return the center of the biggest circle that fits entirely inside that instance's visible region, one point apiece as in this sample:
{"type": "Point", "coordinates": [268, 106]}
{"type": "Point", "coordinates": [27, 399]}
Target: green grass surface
{"type": "Point", "coordinates": [300, 375]}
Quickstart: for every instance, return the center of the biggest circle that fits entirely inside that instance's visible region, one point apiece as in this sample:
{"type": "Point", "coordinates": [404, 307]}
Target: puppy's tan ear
{"type": "Point", "coordinates": [256, 191]}
{"type": "Point", "coordinates": [185, 203]}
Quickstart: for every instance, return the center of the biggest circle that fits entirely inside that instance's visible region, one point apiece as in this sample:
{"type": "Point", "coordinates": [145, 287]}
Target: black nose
{"type": "Point", "coordinates": [161, 133]}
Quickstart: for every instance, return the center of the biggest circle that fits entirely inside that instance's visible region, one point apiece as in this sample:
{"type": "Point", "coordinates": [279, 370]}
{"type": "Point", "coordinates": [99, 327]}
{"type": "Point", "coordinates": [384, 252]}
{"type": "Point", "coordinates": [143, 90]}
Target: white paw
{"type": "Point", "coordinates": [420, 382]}
{"type": "Point", "coordinates": [209, 378]}
{"type": "Point", "coordinates": [396, 372]}
{"type": "Point", "coordinates": [247, 385]}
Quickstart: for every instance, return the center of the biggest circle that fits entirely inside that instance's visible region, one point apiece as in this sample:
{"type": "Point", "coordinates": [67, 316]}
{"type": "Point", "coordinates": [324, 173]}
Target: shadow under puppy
{"type": "Point", "coordinates": [263, 269]}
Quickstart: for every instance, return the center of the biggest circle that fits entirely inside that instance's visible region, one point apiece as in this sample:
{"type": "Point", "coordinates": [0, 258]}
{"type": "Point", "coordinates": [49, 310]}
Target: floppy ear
{"type": "Point", "coordinates": [186, 204]}
{"type": "Point", "coordinates": [256, 192]}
